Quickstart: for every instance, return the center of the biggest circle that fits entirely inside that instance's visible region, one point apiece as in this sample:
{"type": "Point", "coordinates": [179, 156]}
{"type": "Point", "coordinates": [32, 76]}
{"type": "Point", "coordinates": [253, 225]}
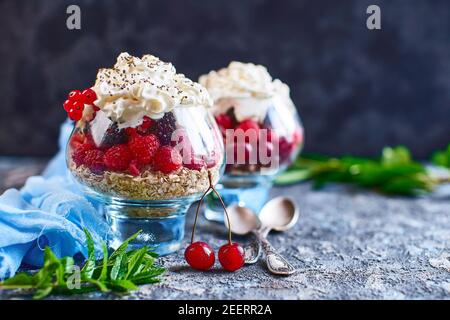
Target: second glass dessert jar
{"type": "Point", "coordinates": [261, 131]}
{"type": "Point", "coordinates": [143, 153]}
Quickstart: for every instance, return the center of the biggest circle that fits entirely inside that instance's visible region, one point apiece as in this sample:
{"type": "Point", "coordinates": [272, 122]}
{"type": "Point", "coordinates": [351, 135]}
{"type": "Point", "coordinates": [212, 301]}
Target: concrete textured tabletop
{"type": "Point", "coordinates": [348, 244]}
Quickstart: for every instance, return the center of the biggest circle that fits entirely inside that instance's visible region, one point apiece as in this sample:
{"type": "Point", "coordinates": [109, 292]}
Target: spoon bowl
{"type": "Point", "coordinates": [279, 214]}
{"type": "Point", "coordinates": [243, 220]}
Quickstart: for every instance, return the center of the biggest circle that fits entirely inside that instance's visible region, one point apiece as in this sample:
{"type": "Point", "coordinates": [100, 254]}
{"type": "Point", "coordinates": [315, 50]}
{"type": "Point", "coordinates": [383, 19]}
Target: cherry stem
{"type": "Point", "coordinates": [196, 213]}
{"type": "Point", "coordinates": [211, 187]}
{"type": "Point", "coordinates": [226, 213]}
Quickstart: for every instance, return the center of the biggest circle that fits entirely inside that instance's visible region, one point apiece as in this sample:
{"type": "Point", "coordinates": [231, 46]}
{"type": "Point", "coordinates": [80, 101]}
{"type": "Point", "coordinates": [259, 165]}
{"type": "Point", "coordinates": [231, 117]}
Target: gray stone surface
{"type": "Point", "coordinates": [348, 244]}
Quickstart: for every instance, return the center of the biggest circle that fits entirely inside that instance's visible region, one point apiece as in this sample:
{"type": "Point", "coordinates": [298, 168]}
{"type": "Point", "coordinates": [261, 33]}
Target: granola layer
{"type": "Point", "coordinates": [150, 185]}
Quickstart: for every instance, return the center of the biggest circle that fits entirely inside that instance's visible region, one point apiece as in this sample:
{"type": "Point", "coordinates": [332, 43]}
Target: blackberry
{"type": "Point", "coordinates": [114, 136]}
{"type": "Point", "coordinates": [164, 128]}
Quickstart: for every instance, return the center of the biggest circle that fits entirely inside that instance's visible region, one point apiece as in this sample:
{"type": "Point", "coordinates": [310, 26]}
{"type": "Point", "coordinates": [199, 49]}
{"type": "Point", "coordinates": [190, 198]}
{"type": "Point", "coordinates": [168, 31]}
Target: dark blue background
{"type": "Point", "coordinates": [356, 90]}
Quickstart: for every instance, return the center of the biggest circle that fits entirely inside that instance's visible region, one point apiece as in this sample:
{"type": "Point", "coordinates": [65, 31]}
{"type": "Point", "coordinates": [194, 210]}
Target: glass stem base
{"type": "Point", "coordinates": [162, 226]}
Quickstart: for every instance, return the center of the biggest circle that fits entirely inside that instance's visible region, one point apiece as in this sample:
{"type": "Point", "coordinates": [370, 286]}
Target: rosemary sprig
{"type": "Point", "coordinates": [121, 272]}
{"type": "Point", "coordinates": [395, 172]}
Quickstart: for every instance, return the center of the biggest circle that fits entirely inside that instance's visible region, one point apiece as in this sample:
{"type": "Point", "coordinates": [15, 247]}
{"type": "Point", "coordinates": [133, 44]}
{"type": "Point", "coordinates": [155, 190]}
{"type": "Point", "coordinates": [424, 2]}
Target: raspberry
{"type": "Point", "coordinates": [113, 136]}
{"type": "Point", "coordinates": [167, 160]}
{"type": "Point", "coordinates": [213, 159]}
{"type": "Point", "coordinates": [77, 140]}
{"type": "Point", "coordinates": [145, 126]}
{"type": "Point", "coordinates": [118, 158]}
{"type": "Point", "coordinates": [131, 132]}
{"type": "Point", "coordinates": [224, 121]}
{"type": "Point", "coordinates": [285, 148]}
{"type": "Point", "coordinates": [94, 161]}
{"type": "Point", "coordinates": [247, 125]}
{"type": "Point", "coordinates": [297, 137]}
{"type": "Point", "coordinates": [79, 151]}
{"type": "Point", "coordinates": [134, 169]}
{"type": "Point", "coordinates": [195, 163]}
{"type": "Point", "coordinates": [164, 128]}
{"type": "Point", "coordinates": [143, 148]}
{"type": "Point", "coordinates": [272, 136]}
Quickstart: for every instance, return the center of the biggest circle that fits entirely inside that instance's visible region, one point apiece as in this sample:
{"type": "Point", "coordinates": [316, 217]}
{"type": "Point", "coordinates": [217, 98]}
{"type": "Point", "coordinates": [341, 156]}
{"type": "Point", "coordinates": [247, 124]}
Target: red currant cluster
{"type": "Point", "coordinates": [200, 255]}
{"type": "Point", "coordinates": [286, 145]}
{"type": "Point", "coordinates": [74, 105]}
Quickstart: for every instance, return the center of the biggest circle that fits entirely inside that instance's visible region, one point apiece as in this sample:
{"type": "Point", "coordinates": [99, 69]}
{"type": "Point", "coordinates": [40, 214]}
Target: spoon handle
{"type": "Point", "coordinates": [252, 252]}
{"type": "Point", "coordinates": [276, 263]}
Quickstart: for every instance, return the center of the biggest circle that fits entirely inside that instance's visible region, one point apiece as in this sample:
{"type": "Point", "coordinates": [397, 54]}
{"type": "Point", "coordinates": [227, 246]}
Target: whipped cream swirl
{"type": "Point", "coordinates": [137, 87]}
{"type": "Point", "coordinates": [243, 80]}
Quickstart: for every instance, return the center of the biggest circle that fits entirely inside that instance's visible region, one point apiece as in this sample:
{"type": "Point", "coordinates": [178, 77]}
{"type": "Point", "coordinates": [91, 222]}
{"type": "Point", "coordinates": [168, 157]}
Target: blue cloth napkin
{"type": "Point", "coordinates": [49, 210]}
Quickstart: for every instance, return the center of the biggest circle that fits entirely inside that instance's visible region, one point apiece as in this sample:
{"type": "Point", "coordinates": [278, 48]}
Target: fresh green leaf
{"type": "Point", "coordinates": [89, 267]}
{"type": "Point", "coordinates": [134, 261]}
{"type": "Point", "coordinates": [121, 272]}
{"type": "Point", "coordinates": [395, 172]}
{"type": "Point", "coordinates": [43, 292]}
{"type": "Point", "coordinates": [100, 285]}
{"type": "Point", "coordinates": [123, 285]}
{"type": "Point", "coordinates": [119, 267]}
{"type": "Point", "coordinates": [21, 280]}
{"type": "Point", "coordinates": [104, 271]}
{"type": "Point", "coordinates": [123, 247]}
{"type": "Point", "coordinates": [442, 158]}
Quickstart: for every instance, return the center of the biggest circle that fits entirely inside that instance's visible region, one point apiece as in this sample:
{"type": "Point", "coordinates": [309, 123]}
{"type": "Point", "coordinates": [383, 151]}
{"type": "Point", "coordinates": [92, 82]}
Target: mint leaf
{"type": "Point", "coordinates": [89, 267]}
{"type": "Point", "coordinates": [121, 272]}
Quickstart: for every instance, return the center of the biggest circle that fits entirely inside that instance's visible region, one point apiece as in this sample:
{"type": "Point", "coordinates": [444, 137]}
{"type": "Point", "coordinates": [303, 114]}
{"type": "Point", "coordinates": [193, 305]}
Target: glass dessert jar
{"type": "Point", "coordinates": [144, 148]}
{"type": "Point", "coordinates": [261, 131]}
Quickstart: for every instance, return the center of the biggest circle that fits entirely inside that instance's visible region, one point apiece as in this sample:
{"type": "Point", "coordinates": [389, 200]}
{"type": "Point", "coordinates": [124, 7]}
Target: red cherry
{"type": "Point", "coordinates": [75, 95]}
{"type": "Point", "coordinates": [89, 96]}
{"type": "Point", "coordinates": [231, 256]}
{"type": "Point", "coordinates": [68, 105]}
{"type": "Point", "coordinates": [199, 255]}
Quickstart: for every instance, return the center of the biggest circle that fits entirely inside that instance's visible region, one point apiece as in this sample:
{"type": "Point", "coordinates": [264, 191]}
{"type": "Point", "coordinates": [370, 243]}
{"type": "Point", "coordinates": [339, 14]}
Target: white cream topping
{"type": "Point", "coordinates": [243, 80]}
{"type": "Point", "coordinates": [136, 87]}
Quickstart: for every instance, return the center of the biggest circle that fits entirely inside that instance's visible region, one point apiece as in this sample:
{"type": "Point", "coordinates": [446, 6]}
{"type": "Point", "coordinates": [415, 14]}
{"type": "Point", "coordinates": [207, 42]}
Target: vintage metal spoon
{"type": "Point", "coordinates": [279, 214]}
{"type": "Point", "coordinates": [244, 221]}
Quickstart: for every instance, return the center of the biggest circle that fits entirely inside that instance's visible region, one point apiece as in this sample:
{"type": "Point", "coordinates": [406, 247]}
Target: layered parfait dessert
{"type": "Point", "coordinates": [146, 147]}
{"type": "Point", "coordinates": [257, 119]}
{"type": "Point", "coordinates": [261, 131]}
{"type": "Point", "coordinates": [143, 133]}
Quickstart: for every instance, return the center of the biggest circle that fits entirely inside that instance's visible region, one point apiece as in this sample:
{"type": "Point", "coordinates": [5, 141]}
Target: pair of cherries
{"type": "Point", "coordinates": [200, 255]}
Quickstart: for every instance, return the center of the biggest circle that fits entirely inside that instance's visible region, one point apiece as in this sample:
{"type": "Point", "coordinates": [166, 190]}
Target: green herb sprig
{"type": "Point", "coordinates": [442, 158]}
{"type": "Point", "coordinates": [121, 272]}
{"type": "Point", "coordinates": [395, 172]}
